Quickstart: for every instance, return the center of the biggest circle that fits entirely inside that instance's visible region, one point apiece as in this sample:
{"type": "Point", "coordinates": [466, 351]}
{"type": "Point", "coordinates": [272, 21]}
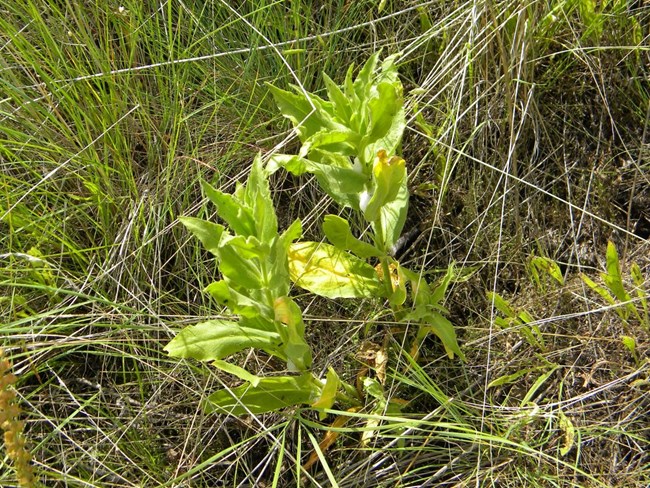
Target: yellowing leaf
{"type": "Point", "coordinates": [295, 348]}
{"type": "Point", "coordinates": [569, 433]}
{"type": "Point", "coordinates": [330, 272]}
{"type": "Point", "coordinates": [328, 396]}
{"type": "Point", "coordinates": [388, 173]}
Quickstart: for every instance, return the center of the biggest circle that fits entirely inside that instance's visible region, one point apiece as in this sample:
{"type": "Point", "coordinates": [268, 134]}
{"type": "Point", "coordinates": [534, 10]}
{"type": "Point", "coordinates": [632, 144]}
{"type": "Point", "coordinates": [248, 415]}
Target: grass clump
{"type": "Point", "coordinates": [526, 141]}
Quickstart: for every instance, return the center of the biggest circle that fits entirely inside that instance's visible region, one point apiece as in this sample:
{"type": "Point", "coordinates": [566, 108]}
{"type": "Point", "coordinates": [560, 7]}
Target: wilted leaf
{"type": "Point", "coordinates": [373, 389]}
{"type": "Point", "coordinates": [328, 439]}
{"type": "Point", "coordinates": [330, 272]}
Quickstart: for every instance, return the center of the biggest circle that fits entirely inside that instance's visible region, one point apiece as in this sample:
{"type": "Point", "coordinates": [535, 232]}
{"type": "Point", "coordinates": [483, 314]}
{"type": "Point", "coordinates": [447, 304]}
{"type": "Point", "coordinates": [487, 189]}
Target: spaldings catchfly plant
{"type": "Point", "coordinates": [350, 144]}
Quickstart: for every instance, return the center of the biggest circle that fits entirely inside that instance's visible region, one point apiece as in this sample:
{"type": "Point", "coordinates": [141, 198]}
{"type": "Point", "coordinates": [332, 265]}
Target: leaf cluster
{"type": "Point", "coordinates": [349, 143]}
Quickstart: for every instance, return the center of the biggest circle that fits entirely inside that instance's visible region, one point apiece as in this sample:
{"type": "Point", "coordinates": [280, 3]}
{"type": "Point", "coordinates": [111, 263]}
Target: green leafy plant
{"type": "Point", "coordinates": [592, 14]}
{"type": "Point", "coordinates": [253, 259]}
{"type": "Point", "coordinates": [349, 143]}
{"type": "Point", "coordinates": [521, 321]}
{"type": "Point", "coordinates": [541, 267]}
{"type": "Point", "coordinates": [614, 290]}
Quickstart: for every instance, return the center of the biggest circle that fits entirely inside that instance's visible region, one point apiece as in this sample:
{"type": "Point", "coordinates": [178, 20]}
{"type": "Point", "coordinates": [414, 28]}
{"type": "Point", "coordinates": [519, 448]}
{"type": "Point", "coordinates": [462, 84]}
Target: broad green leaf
{"type": "Point", "coordinates": [330, 272]}
{"type": "Point", "coordinates": [638, 279]}
{"type": "Point", "coordinates": [343, 184]}
{"type": "Point", "coordinates": [270, 395]}
{"type": "Point", "coordinates": [425, 20]}
{"type": "Point", "coordinates": [293, 232]}
{"type": "Point", "coordinates": [260, 323]}
{"type": "Point", "coordinates": [623, 312]}
{"type": "Point", "coordinates": [238, 303]}
{"type": "Point", "coordinates": [390, 142]}
{"type": "Point", "coordinates": [388, 174]}
{"type": "Point", "coordinates": [234, 370]}
{"type": "Point", "coordinates": [342, 105]}
{"type": "Point", "coordinates": [501, 304]}
{"type": "Point", "coordinates": [388, 69]}
{"type": "Point", "coordinates": [548, 266]}
{"type": "Point", "coordinates": [509, 378]}
{"type": "Point", "coordinates": [238, 217]}
{"type": "Point", "coordinates": [420, 289]}
{"type": "Point", "coordinates": [431, 321]}
{"type": "Point", "coordinates": [629, 343]}
{"type": "Point", "coordinates": [217, 339]}
{"type": "Point", "coordinates": [208, 233]}
{"type": "Point", "coordinates": [504, 323]}
{"type": "Point", "coordinates": [341, 142]}
{"type": "Point", "coordinates": [373, 388]}
{"type": "Point", "coordinates": [363, 82]}
{"type": "Point", "coordinates": [328, 395]}
{"type": "Point", "coordinates": [247, 247]}
{"type": "Point", "coordinates": [439, 292]}
{"type": "Point", "coordinates": [295, 348]}
{"type": "Point", "coordinates": [386, 111]}
{"type": "Point", "coordinates": [613, 277]}
{"type": "Point", "coordinates": [525, 317]}
{"type": "Point", "coordinates": [398, 297]}
{"type": "Point", "coordinates": [392, 217]}
{"type": "Point", "coordinates": [240, 269]}
{"type": "Point", "coordinates": [337, 230]}
{"type": "Point", "coordinates": [348, 90]}
{"type": "Point", "coordinates": [308, 116]}
{"type": "Point", "coordinates": [279, 281]}
{"type": "Point", "coordinates": [258, 197]}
